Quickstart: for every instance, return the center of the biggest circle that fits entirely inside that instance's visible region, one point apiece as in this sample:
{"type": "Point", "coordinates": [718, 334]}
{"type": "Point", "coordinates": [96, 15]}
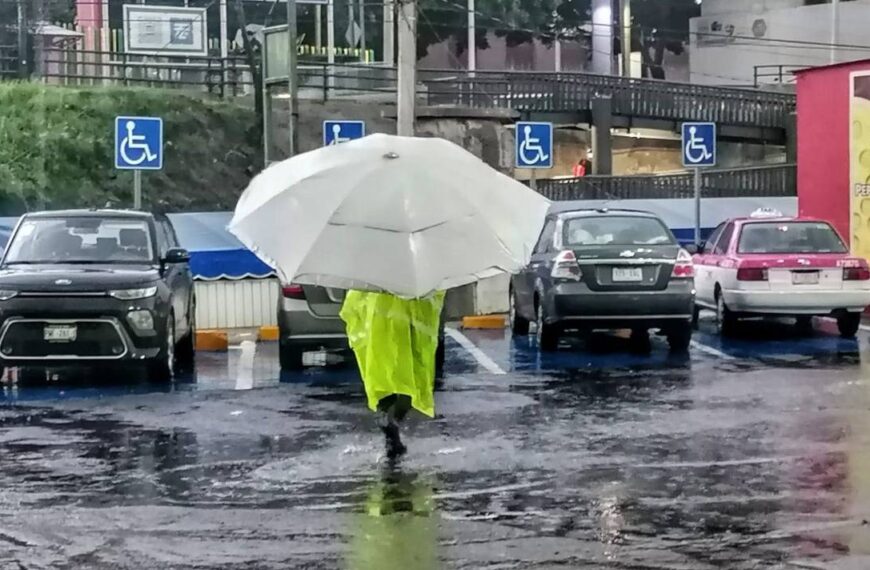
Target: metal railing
{"type": "Point", "coordinates": [755, 181]}
{"type": "Point", "coordinates": [9, 63]}
{"type": "Point", "coordinates": [230, 76]}
{"type": "Point", "coordinates": [775, 74]}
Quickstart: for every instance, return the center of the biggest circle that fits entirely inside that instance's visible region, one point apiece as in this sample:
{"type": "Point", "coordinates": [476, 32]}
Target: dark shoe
{"type": "Point", "coordinates": [395, 447]}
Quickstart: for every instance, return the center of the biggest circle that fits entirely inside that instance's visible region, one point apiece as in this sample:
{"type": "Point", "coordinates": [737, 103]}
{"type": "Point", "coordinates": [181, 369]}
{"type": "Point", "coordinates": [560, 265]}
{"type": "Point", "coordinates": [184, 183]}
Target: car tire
{"type": "Point", "coordinates": [803, 324]}
{"type": "Point", "coordinates": [290, 358]}
{"type": "Point", "coordinates": [185, 352]}
{"type": "Point", "coordinates": [639, 341]}
{"type": "Point", "coordinates": [519, 324]}
{"type": "Point", "coordinates": [440, 357]}
{"type": "Point", "coordinates": [547, 334]}
{"type": "Point", "coordinates": [696, 317]}
{"type": "Point", "coordinates": [848, 324]}
{"type": "Point", "coordinates": [725, 320]}
{"type": "Point", "coordinates": [680, 337]}
{"type": "Point", "coordinates": [162, 368]}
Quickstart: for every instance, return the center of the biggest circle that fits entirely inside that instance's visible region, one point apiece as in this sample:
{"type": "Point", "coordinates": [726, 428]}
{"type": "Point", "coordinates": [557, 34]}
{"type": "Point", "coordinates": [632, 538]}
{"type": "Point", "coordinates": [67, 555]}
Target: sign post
{"type": "Point", "coordinates": [336, 132]}
{"type": "Point", "coordinates": [138, 147]}
{"type": "Point", "coordinates": [699, 150]}
{"type": "Point", "coordinates": [534, 147]}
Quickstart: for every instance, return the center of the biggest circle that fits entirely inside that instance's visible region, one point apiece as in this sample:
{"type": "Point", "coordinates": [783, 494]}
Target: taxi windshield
{"type": "Point", "coordinates": [80, 240]}
{"type": "Point", "coordinates": [616, 230]}
{"type": "Point", "coordinates": [789, 237]}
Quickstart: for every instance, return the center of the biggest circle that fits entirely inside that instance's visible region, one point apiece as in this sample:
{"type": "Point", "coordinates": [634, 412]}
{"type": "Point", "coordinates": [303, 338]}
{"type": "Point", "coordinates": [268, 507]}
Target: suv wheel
{"type": "Point", "coordinates": [162, 368]}
{"type": "Point", "coordinates": [679, 337]}
{"type": "Point", "coordinates": [519, 324]}
{"type": "Point", "coordinates": [848, 324]}
{"type": "Point", "coordinates": [548, 335]}
{"type": "Point", "coordinates": [185, 353]}
{"type": "Point", "coordinates": [290, 358]}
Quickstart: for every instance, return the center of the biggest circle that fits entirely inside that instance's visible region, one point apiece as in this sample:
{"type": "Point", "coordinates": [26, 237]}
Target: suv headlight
{"type": "Point", "coordinates": [6, 294]}
{"type": "Point", "coordinates": [131, 294]}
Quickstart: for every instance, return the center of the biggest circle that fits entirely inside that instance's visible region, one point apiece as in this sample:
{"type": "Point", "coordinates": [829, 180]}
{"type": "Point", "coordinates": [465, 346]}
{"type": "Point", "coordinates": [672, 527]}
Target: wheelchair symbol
{"type": "Point", "coordinates": [134, 142]}
{"type": "Point", "coordinates": [531, 151]}
{"type": "Point", "coordinates": [336, 136]}
{"type": "Point", "coordinates": [696, 150]}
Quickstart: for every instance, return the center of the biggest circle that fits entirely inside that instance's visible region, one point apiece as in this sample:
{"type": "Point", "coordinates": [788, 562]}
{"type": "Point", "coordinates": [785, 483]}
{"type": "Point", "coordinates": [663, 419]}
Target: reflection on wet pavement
{"type": "Point", "coordinates": [592, 457]}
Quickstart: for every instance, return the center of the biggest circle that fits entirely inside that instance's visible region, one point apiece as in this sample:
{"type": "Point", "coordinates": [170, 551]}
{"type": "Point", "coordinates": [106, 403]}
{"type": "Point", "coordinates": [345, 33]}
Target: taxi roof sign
{"type": "Point", "coordinates": [766, 213]}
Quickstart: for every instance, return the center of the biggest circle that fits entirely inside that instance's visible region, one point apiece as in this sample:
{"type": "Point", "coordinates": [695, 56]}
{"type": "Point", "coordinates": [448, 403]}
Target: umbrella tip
{"type": "Point", "coordinates": [391, 155]}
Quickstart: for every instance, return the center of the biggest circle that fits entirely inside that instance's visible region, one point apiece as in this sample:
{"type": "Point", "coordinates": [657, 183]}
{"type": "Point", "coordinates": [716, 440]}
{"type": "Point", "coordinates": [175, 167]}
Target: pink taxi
{"type": "Point", "coordinates": [768, 264]}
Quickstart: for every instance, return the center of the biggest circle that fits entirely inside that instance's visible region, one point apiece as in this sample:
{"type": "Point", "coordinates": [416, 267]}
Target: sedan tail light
{"type": "Point", "coordinates": [752, 274]}
{"type": "Point", "coordinates": [565, 266]}
{"type": "Point", "coordinates": [293, 292]}
{"type": "Point", "coordinates": [683, 268]}
{"type": "Point", "coordinates": [856, 274]}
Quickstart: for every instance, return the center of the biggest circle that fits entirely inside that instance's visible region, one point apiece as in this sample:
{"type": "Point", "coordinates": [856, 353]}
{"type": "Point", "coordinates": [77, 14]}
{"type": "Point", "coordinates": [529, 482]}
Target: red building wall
{"type": "Point", "coordinates": [823, 152]}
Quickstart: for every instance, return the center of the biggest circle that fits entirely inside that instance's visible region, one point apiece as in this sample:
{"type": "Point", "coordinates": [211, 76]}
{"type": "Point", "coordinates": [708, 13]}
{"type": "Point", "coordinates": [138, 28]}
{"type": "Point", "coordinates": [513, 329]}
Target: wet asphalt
{"type": "Point", "coordinates": [748, 453]}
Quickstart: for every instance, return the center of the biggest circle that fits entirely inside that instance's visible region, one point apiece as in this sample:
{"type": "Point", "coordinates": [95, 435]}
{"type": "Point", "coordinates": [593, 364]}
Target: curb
{"type": "Point", "coordinates": [267, 334]}
{"type": "Point", "coordinates": [486, 322]}
{"type": "Point", "coordinates": [212, 341]}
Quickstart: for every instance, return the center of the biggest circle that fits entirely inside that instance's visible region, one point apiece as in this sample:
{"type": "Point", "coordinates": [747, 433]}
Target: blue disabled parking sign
{"type": "Point", "coordinates": [534, 145]}
{"type": "Point", "coordinates": [336, 132]}
{"type": "Point", "coordinates": [138, 143]}
{"type": "Point", "coordinates": [699, 144]}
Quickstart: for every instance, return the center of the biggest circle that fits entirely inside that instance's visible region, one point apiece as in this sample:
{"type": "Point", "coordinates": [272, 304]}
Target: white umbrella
{"type": "Point", "coordinates": [404, 215]}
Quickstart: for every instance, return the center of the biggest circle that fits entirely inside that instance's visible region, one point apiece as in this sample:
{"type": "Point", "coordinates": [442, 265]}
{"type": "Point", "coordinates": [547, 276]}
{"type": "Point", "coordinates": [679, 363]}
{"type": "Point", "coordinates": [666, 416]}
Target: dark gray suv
{"type": "Point", "coordinates": [605, 269]}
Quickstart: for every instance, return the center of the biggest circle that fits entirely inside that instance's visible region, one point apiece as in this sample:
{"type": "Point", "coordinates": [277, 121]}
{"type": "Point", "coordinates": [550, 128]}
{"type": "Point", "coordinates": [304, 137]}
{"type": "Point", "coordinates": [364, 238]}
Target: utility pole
{"type": "Point", "coordinates": [389, 32]}
{"type": "Point", "coordinates": [406, 92]}
{"type": "Point", "coordinates": [625, 18]}
{"type": "Point", "coordinates": [292, 81]}
{"type": "Point", "coordinates": [835, 29]}
{"type": "Point", "coordinates": [472, 37]}
{"type": "Point", "coordinates": [23, 65]}
{"type": "Point", "coordinates": [362, 31]}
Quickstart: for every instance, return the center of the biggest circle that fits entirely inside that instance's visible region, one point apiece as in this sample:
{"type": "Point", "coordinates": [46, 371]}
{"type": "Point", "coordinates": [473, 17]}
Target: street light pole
{"type": "Point", "coordinates": [389, 32]}
{"type": "Point", "coordinates": [292, 83]}
{"type": "Point", "coordinates": [835, 29]}
{"type": "Point", "coordinates": [407, 72]}
{"type": "Point", "coordinates": [625, 40]}
{"type": "Point", "coordinates": [472, 37]}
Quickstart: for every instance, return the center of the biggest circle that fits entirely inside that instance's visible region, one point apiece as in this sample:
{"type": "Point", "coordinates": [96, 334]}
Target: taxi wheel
{"type": "Point", "coordinates": [848, 324]}
{"type": "Point", "coordinates": [519, 325]}
{"type": "Point", "coordinates": [725, 321]}
{"type": "Point", "coordinates": [548, 335]}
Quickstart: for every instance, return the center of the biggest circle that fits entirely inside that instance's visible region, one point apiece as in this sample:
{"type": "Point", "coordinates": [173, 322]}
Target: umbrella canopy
{"type": "Point", "coordinates": [383, 213]}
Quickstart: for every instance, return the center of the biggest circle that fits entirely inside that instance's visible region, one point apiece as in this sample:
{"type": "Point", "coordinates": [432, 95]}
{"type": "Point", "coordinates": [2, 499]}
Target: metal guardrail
{"type": "Point", "coordinates": [230, 76]}
{"type": "Point", "coordinates": [775, 74]}
{"type": "Point", "coordinates": [756, 181]}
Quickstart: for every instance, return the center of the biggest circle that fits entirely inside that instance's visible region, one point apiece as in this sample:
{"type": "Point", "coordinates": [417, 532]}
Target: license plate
{"type": "Point", "coordinates": [805, 278]}
{"type": "Point", "coordinates": [627, 274]}
{"type": "Point", "coordinates": [60, 333]}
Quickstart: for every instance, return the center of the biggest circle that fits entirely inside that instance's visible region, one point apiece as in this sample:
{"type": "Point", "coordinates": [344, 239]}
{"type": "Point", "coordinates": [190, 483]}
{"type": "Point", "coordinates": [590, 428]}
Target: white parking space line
{"type": "Point", "coordinates": [710, 350]}
{"type": "Point", "coordinates": [245, 373]}
{"type": "Point", "coordinates": [472, 349]}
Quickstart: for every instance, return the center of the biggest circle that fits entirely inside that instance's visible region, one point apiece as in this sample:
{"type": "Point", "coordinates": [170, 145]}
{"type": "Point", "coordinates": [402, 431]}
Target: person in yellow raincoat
{"type": "Point", "coordinates": [394, 341]}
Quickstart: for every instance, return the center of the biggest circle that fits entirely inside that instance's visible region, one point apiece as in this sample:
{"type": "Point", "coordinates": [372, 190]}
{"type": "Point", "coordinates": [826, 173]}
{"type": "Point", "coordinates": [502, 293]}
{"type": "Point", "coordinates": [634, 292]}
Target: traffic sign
{"type": "Point", "coordinates": [138, 143]}
{"type": "Point", "coordinates": [534, 145]}
{"type": "Point", "coordinates": [699, 144]}
{"type": "Point", "coordinates": [335, 132]}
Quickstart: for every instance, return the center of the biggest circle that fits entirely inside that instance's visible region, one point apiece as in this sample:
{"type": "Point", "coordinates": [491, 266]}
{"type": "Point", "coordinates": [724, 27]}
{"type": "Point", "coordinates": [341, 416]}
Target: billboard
{"type": "Point", "coordinates": [165, 30]}
{"type": "Point", "coordinates": [859, 160]}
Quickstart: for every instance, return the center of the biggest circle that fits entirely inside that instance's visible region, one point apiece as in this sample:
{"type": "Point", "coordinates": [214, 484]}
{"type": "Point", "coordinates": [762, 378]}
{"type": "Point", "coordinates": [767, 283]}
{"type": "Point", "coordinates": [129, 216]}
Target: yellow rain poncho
{"type": "Point", "coordinates": [394, 341]}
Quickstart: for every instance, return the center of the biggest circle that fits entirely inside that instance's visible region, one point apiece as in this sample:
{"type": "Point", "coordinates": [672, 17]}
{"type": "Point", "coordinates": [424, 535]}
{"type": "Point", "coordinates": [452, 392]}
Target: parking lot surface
{"type": "Point", "coordinates": [752, 452]}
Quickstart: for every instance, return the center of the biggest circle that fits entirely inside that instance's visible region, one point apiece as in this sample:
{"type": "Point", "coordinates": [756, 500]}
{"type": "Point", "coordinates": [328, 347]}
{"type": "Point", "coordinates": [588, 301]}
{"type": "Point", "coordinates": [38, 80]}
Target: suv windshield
{"type": "Point", "coordinates": [789, 237]}
{"type": "Point", "coordinates": [616, 230]}
{"type": "Point", "coordinates": [81, 240]}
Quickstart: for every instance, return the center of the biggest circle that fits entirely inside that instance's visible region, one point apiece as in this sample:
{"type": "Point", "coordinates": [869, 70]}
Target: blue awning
{"type": "Point", "coordinates": [214, 252]}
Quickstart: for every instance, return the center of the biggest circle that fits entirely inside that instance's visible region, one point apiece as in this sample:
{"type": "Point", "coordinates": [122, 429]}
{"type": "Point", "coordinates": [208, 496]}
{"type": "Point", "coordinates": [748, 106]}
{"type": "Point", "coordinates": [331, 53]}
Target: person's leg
{"type": "Point", "coordinates": [401, 407]}
{"type": "Point", "coordinates": [390, 426]}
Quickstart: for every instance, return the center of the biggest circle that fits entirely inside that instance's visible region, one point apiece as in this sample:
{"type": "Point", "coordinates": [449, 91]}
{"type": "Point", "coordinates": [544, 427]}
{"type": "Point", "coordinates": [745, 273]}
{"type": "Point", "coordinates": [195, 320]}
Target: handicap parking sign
{"type": "Point", "coordinates": [534, 145]}
{"type": "Point", "coordinates": [336, 132]}
{"type": "Point", "coordinates": [699, 144]}
{"type": "Point", "coordinates": [138, 143]}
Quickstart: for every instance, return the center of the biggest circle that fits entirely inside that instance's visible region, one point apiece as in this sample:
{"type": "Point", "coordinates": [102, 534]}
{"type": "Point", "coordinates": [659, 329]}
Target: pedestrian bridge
{"type": "Point", "coordinates": [741, 114]}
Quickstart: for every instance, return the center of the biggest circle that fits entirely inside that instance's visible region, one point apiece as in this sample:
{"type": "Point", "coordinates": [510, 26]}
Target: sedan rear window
{"type": "Point", "coordinates": [790, 237]}
{"type": "Point", "coordinates": [616, 230]}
